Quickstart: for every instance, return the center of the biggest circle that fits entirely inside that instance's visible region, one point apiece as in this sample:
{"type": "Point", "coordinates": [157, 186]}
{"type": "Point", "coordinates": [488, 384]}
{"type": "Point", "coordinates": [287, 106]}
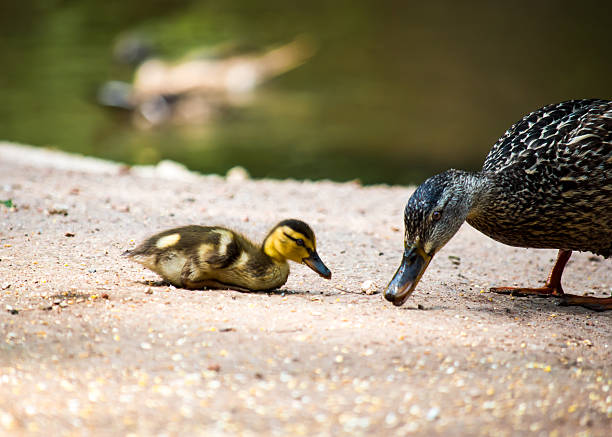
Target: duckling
{"type": "Point", "coordinates": [197, 257]}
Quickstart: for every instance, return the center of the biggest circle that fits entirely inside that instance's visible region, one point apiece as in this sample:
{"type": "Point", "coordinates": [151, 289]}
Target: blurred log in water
{"type": "Point", "coordinates": [196, 90]}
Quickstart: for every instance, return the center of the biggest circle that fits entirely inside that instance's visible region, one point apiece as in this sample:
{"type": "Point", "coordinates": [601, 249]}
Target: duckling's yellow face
{"type": "Point", "coordinates": [289, 244]}
{"type": "Point", "coordinates": [294, 240]}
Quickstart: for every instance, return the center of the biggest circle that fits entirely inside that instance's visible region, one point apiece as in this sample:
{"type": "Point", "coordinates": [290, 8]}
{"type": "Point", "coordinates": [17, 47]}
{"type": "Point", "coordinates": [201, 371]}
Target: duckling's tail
{"type": "Point", "coordinates": [128, 253]}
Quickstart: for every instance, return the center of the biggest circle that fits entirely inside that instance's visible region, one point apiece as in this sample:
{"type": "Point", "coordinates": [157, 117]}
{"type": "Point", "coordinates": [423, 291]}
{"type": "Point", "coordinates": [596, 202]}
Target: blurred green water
{"type": "Point", "coordinates": [395, 92]}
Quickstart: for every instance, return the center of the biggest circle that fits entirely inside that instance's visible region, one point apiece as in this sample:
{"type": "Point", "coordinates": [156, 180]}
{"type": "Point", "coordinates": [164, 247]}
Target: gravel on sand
{"type": "Point", "coordinates": [93, 344]}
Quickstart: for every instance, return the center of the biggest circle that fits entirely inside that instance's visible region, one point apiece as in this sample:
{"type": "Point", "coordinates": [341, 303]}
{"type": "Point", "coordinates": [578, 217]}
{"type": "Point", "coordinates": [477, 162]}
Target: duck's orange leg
{"type": "Point", "coordinates": [553, 288]}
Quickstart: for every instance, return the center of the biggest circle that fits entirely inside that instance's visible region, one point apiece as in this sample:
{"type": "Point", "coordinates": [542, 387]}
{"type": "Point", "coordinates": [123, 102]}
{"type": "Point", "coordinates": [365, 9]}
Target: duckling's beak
{"type": "Point", "coordinates": [413, 265]}
{"type": "Point", "coordinates": [315, 263]}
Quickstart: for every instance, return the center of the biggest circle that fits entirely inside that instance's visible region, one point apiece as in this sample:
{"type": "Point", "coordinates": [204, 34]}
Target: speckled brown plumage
{"type": "Point", "coordinates": [549, 180]}
{"type": "Point", "coordinates": [546, 183]}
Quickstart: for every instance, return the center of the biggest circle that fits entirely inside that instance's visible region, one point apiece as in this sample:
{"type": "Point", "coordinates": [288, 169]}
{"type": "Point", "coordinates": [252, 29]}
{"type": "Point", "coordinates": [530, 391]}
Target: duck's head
{"type": "Point", "coordinates": [294, 240]}
{"type": "Point", "coordinates": [433, 214]}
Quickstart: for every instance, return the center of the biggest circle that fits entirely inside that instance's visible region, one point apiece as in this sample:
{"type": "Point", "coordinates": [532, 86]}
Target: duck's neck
{"type": "Point", "coordinates": [475, 189]}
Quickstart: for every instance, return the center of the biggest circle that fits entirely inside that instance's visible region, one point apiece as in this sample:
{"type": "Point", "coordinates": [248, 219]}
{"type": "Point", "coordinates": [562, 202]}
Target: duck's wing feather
{"type": "Point", "coordinates": [561, 134]}
{"type": "Point", "coordinates": [553, 171]}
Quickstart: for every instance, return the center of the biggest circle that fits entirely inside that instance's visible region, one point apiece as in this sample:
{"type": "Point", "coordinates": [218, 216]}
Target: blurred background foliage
{"type": "Point", "coordinates": [396, 90]}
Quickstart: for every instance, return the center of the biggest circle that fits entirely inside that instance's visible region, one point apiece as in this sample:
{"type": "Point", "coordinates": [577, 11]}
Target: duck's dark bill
{"type": "Point", "coordinates": [413, 265]}
{"type": "Point", "coordinates": [315, 263]}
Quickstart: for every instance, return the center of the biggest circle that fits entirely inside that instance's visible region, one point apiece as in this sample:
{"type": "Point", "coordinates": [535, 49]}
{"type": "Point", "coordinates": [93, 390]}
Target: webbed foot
{"type": "Point", "coordinates": [545, 291]}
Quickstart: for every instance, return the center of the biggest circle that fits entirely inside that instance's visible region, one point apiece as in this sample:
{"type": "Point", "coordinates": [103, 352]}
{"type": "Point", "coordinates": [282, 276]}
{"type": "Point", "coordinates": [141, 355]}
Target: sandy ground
{"type": "Point", "coordinates": [90, 345]}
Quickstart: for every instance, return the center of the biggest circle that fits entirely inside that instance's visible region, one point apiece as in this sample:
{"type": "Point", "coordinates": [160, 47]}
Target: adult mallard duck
{"type": "Point", "coordinates": [546, 183]}
{"type": "Point", "coordinates": [197, 257]}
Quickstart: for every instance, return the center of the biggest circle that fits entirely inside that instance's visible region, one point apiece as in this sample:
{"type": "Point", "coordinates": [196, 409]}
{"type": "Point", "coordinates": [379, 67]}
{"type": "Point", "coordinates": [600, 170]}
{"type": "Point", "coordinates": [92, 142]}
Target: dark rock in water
{"type": "Point", "coordinates": [115, 94]}
{"type": "Point", "coordinates": [133, 49]}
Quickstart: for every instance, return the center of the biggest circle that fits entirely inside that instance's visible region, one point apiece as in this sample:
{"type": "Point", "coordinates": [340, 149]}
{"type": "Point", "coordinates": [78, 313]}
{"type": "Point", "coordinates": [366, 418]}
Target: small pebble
{"type": "Point", "coordinates": [91, 270]}
{"type": "Point", "coordinates": [237, 174]}
{"type": "Point", "coordinates": [149, 290]}
{"type": "Point", "coordinates": [12, 310]}
{"type": "Point", "coordinates": [432, 414]}
{"type": "Point", "coordinates": [58, 209]}
{"type": "Point", "coordinates": [369, 287]}
{"type": "Point", "coordinates": [391, 419]}
{"type": "Point", "coordinates": [7, 420]}
{"type": "Point", "coordinates": [454, 259]}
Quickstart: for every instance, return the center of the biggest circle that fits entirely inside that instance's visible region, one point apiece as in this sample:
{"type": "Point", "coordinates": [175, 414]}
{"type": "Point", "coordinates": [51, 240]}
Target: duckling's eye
{"type": "Point", "coordinates": [298, 241]}
{"type": "Point", "coordinates": [436, 215]}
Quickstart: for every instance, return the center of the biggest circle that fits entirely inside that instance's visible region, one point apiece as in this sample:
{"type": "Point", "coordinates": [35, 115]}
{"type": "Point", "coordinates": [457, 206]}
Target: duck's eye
{"type": "Point", "coordinates": [299, 242]}
{"type": "Point", "coordinates": [436, 215]}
